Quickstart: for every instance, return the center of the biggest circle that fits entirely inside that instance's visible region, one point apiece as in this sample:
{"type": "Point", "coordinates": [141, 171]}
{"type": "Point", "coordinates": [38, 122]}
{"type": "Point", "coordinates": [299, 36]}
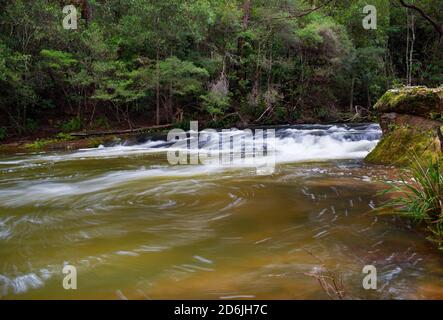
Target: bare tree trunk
{"type": "Point", "coordinates": [437, 26]}
{"type": "Point", "coordinates": [158, 89]}
{"type": "Point", "coordinates": [410, 41]}
{"type": "Point", "coordinates": [270, 69]}
{"type": "Point", "coordinates": [86, 10]}
{"type": "Point", "coordinates": [24, 116]}
{"type": "Point", "coordinates": [407, 46]}
{"type": "Point", "coordinates": [128, 117]}
{"type": "Point", "coordinates": [93, 114]}
{"type": "Point", "coordinates": [246, 14]}
{"type": "Point", "coordinates": [368, 96]}
{"type": "Point", "coordinates": [257, 75]}
{"type": "Point", "coordinates": [411, 51]}
{"type": "Point", "coordinates": [351, 98]}
{"type": "Point", "coordinates": [240, 70]}
{"type": "Point", "coordinates": [169, 106]}
{"type": "Point", "coordinates": [117, 112]}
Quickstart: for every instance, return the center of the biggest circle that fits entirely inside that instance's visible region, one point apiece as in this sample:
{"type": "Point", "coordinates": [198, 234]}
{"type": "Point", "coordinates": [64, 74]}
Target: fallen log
{"type": "Point", "coordinates": [108, 133]}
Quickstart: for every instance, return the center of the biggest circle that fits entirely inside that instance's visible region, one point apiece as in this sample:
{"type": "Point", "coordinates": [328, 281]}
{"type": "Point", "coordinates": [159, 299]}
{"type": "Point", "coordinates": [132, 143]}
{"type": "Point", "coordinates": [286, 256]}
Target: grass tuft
{"type": "Point", "coordinates": [419, 196]}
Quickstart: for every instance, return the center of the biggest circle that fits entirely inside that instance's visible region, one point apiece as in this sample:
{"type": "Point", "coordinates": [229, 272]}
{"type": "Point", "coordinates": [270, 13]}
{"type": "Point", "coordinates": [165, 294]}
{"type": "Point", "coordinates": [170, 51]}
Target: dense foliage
{"type": "Point", "coordinates": [221, 61]}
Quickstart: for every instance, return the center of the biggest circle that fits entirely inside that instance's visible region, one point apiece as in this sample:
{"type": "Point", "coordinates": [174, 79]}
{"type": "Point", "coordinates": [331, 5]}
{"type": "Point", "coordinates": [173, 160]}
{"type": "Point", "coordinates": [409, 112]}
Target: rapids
{"type": "Point", "coordinates": [137, 227]}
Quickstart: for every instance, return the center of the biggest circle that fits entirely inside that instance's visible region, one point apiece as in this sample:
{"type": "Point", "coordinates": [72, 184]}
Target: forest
{"type": "Point", "coordinates": [222, 62]}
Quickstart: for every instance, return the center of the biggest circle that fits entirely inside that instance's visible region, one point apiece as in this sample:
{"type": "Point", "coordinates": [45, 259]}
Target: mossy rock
{"type": "Point", "coordinates": [419, 101]}
{"type": "Point", "coordinates": [398, 146]}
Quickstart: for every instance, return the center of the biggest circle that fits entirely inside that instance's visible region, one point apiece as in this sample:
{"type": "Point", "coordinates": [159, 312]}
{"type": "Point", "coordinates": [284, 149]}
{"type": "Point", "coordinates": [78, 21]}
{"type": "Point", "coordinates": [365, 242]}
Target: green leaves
{"type": "Point", "coordinates": [113, 82]}
{"type": "Point", "coordinates": [143, 54]}
{"type": "Point", "coordinates": [215, 103]}
{"type": "Point", "coordinates": [183, 76]}
{"type": "Point", "coordinates": [57, 60]}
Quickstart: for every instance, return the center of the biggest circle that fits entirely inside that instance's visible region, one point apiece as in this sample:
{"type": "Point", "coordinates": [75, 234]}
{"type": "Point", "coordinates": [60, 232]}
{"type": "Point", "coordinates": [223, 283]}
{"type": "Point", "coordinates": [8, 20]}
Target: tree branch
{"type": "Point", "coordinates": [312, 10]}
{"type": "Point", "coordinates": [305, 13]}
{"type": "Point", "coordinates": [436, 26]}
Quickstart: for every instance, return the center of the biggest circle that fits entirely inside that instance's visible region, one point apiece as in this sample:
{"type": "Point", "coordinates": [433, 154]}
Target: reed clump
{"type": "Point", "coordinates": [419, 196]}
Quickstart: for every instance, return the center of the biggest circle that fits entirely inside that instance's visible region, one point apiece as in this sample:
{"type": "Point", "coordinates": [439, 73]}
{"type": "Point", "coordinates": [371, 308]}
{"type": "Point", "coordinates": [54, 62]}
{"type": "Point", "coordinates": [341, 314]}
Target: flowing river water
{"type": "Point", "coordinates": [136, 227]}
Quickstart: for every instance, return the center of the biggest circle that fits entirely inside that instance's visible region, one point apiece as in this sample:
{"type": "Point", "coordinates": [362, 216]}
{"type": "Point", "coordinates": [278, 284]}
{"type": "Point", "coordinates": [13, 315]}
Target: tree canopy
{"type": "Point", "coordinates": [222, 61]}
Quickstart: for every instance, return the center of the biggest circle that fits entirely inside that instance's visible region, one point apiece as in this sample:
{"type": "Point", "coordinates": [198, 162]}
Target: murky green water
{"type": "Point", "coordinates": [137, 228]}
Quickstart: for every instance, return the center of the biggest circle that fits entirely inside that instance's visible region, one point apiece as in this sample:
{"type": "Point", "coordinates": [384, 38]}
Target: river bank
{"type": "Point", "coordinates": [69, 142]}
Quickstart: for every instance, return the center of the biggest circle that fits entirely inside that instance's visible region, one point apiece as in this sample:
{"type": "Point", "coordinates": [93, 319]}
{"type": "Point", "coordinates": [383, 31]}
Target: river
{"type": "Point", "coordinates": [136, 227]}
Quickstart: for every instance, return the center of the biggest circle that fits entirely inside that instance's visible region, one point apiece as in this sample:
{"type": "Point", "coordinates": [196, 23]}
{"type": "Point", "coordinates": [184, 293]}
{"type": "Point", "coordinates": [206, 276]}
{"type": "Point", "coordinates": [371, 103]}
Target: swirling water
{"type": "Point", "coordinates": [136, 227]}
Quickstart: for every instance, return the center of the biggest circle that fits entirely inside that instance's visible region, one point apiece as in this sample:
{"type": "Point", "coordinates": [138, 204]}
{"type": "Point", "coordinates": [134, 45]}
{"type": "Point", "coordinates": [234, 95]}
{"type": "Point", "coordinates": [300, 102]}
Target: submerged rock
{"type": "Point", "coordinates": [411, 119]}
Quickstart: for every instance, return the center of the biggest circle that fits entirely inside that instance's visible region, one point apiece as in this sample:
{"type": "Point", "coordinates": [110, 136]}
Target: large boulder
{"type": "Point", "coordinates": [411, 119]}
{"type": "Point", "coordinates": [418, 101]}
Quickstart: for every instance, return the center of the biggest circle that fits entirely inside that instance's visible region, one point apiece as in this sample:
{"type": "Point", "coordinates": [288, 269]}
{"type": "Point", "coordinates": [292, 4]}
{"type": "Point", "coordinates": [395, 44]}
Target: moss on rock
{"type": "Point", "coordinates": [397, 146]}
{"type": "Point", "coordinates": [419, 101]}
{"type": "Point", "coordinates": [410, 125]}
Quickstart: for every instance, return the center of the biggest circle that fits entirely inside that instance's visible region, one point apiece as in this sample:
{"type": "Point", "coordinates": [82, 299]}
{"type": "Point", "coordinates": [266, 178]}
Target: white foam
{"type": "Point", "coordinates": [23, 283]}
{"type": "Point", "coordinates": [296, 144]}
